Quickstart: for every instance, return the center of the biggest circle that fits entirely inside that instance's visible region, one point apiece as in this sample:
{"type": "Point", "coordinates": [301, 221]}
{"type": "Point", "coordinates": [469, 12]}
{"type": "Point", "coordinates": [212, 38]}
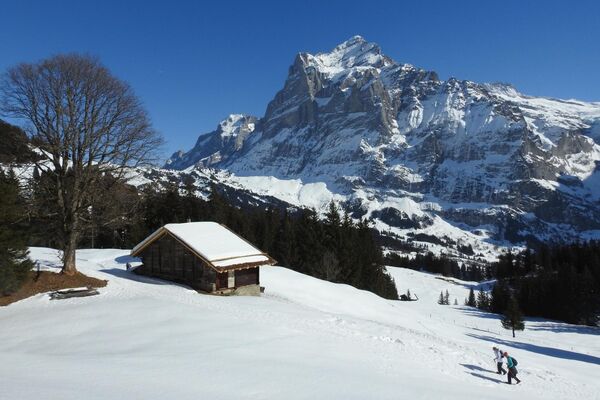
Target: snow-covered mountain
{"type": "Point", "coordinates": [216, 147]}
{"type": "Point", "coordinates": [475, 163]}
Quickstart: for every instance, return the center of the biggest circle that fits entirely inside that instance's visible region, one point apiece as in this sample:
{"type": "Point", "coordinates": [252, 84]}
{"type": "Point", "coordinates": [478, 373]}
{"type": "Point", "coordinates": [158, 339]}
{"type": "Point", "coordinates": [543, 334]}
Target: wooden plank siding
{"type": "Point", "coordinates": [167, 259]}
{"type": "Point", "coordinates": [245, 277]}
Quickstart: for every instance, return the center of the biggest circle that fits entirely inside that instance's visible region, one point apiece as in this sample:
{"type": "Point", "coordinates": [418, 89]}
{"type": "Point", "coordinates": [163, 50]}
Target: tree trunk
{"type": "Point", "coordinates": [513, 329]}
{"type": "Point", "coordinates": [69, 267]}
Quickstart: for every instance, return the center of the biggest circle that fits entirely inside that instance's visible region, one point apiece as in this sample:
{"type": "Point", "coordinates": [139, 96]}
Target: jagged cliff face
{"type": "Point", "coordinates": [217, 146]}
{"type": "Point", "coordinates": [401, 146]}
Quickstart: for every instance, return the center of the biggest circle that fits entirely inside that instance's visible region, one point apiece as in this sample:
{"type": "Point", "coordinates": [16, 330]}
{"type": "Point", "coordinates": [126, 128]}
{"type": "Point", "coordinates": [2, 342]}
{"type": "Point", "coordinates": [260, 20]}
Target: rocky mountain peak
{"type": "Point", "coordinates": [235, 124]}
{"type": "Point", "coordinates": [355, 52]}
{"type": "Point", "coordinates": [354, 40]}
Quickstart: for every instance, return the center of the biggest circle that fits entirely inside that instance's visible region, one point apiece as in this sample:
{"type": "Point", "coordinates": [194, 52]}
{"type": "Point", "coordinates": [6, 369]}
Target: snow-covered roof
{"type": "Point", "coordinates": [214, 242]}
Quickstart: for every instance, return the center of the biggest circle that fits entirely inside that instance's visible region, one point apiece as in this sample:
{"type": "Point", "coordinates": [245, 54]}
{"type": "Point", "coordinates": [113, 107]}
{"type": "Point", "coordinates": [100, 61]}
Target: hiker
{"type": "Point", "coordinates": [511, 363]}
{"type": "Point", "coordinates": [498, 358]}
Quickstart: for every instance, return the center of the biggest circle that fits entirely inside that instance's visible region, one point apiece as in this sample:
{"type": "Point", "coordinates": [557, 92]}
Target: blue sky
{"type": "Point", "coordinates": [193, 63]}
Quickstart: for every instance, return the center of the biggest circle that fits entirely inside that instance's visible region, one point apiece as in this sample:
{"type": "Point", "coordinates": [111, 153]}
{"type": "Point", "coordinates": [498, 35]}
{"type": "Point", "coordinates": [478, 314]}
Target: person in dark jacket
{"type": "Point", "coordinates": [498, 358]}
{"type": "Point", "coordinates": [512, 368]}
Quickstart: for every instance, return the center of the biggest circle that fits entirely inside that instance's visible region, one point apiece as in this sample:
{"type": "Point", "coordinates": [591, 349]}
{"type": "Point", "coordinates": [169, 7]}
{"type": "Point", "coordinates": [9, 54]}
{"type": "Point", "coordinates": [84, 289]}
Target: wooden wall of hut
{"type": "Point", "coordinates": [168, 259]}
{"type": "Point", "coordinates": [245, 277]}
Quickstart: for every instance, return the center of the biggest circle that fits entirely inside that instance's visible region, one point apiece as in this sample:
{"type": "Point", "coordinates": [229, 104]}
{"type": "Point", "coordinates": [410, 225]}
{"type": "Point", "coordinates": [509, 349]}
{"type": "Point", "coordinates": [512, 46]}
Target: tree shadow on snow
{"type": "Point", "coordinates": [480, 314]}
{"type": "Point", "coordinates": [564, 328]}
{"type": "Point", "coordinates": [547, 351]}
{"type": "Point", "coordinates": [130, 275]}
{"type": "Point", "coordinates": [121, 273]}
{"type": "Point", "coordinates": [126, 259]}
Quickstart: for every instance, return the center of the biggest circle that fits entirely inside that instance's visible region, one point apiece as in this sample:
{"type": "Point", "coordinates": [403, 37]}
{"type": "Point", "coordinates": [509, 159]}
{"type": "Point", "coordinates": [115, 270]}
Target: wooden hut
{"type": "Point", "coordinates": [204, 255]}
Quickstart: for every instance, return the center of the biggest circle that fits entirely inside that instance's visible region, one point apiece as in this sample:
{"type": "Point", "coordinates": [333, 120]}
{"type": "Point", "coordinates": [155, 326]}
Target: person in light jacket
{"type": "Point", "coordinates": [512, 368]}
{"type": "Point", "coordinates": [498, 358]}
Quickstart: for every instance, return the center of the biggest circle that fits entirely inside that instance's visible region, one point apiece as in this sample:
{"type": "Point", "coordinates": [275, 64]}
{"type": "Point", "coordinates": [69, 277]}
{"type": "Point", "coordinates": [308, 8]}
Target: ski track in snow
{"type": "Point", "coordinates": [304, 338]}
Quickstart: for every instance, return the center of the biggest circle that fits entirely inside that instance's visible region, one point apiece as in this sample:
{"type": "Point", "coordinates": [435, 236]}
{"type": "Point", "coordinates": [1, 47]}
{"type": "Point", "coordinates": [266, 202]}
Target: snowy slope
{"type": "Point", "coordinates": [305, 338]}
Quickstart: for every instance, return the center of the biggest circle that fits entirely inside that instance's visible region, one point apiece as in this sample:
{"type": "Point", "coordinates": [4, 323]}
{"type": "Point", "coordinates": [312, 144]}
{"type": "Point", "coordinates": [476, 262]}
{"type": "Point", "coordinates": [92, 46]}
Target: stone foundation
{"type": "Point", "coordinates": [248, 290]}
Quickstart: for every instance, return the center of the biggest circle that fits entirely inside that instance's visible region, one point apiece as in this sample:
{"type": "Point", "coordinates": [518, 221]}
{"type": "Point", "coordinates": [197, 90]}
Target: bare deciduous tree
{"type": "Point", "coordinates": [88, 123]}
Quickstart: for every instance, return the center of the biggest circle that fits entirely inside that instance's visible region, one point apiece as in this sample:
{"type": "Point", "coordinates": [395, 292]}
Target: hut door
{"type": "Point", "coordinates": [231, 279]}
{"type": "Point", "coordinates": [222, 280]}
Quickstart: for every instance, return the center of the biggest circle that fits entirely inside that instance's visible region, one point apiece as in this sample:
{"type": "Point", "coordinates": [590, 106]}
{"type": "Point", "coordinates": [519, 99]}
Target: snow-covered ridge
{"type": "Point", "coordinates": [355, 52]}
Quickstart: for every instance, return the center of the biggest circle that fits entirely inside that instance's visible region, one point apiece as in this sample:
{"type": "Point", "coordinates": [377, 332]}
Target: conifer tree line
{"type": "Point", "coordinates": [14, 263]}
{"type": "Point", "coordinates": [560, 282]}
{"type": "Point", "coordinates": [557, 282]}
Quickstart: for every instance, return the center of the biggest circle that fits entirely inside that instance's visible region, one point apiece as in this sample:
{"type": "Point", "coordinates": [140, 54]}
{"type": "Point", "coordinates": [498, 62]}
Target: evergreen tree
{"type": "Point", "coordinates": [14, 145]}
{"type": "Point", "coordinates": [447, 298]}
{"type": "Point", "coordinates": [284, 242]}
{"type": "Point", "coordinates": [218, 205]}
{"type": "Point", "coordinates": [471, 302]}
{"type": "Point", "coordinates": [483, 302]}
{"type": "Point", "coordinates": [499, 297]}
{"type": "Point", "coordinates": [513, 319]}
{"type": "Point", "coordinates": [455, 301]}
{"type": "Point", "coordinates": [346, 247]}
{"type": "Point", "coordinates": [14, 263]}
{"type": "Point", "coordinates": [589, 301]}
{"type": "Point", "coordinates": [441, 299]}
{"type": "Point", "coordinates": [308, 233]}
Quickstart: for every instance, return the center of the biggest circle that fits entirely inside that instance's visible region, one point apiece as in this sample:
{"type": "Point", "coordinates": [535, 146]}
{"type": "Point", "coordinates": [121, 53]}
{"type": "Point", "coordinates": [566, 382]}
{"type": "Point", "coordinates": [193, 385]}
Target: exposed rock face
{"type": "Point", "coordinates": [217, 146]}
{"type": "Point", "coordinates": [374, 130]}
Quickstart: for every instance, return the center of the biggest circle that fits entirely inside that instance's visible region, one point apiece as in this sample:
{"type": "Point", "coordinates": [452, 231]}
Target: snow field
{"type": "Point", "coordinates": [304, 338]}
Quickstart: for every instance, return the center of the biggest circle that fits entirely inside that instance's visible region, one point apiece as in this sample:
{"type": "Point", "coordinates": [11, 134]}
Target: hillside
{"type": "Point", "coordinates": [304, 338]}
